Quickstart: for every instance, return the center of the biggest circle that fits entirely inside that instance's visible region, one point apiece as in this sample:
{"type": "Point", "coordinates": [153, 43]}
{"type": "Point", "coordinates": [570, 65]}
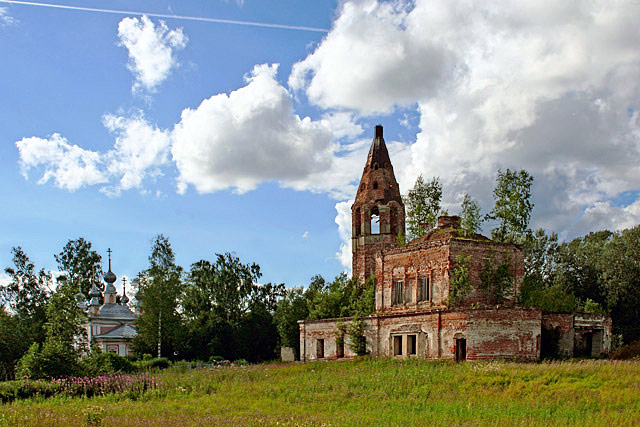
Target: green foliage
{"type": "Point", "coordinates": [228, 313]}
{"type": "Point", "coordinates": [54, 360]}
{"type": "Point", "coordinates": [540, 261]}
{"type": "Point", "coordinates": [513, 206]}
{"type": "Point", "coordinates": [460, 283]}
{"type": "Point", "coordinates": [98, 363]}
{"type": "Point", "coordinates": [364, 392]}
{"type": "Point", "coordinates": [93, 415]}
{"type": "Point", "coordinates": [225, 287]}
{"type": "Point", "coordinates": [423, 206]}
{"type": "Point", "coordinates": [552, 299]}
{"type": "Point", "coordinates": [496, 279]}
{"type": "Point", "coordinates": [470, 218]}
{"type": "Point", "coordinates": [125, 386]}
{"type": "Point", "coordinates": [605, 268]}
{"type": "Point", "coordinates": [81, 266]}
{"type": "Point", "coordinates": [64, 318]}
{"type": "Point", "coordinates": [357, 339]}
{"type": "Point", "coordinates": [343, 297]}
{"type": "Point", "coordinates": [291, 308]}
{"type": "Point", "coordinates": [149, 364]}
{"type": "Point", "coordinates": [401, 239]}
{"type": "Point", "coordinates": [631, 351]}
{"type": "Point", "coordinates": [160, 289]}
{"type": "Point", "coordinates": [26, 294]}
{"type": "Point", "coordinates": [590, 306]}
{"type": "Point", "coordinates": [11, 344]}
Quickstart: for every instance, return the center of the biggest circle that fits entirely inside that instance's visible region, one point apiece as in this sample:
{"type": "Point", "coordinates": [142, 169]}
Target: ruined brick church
{"type": "Point", "coordinates": [413, 315]}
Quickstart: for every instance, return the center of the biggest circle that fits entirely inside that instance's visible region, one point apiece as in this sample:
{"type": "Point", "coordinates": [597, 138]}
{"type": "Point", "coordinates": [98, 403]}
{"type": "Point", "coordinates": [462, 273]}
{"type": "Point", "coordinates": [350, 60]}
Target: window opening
{"type": "Point", "coordinates": [375, 185]}
{"type": "Point", "coordinates": [424, 292]}
{"type": "Point", "coordinates": [397, 345]}
{"type": "Point", "coordinates": [340, 347]}
{"type": "Point", "coordinates": [375, 221]}
{"type": "Point", "coordinates": [408, 291]}
{"type": "Point", "coordinates": [411, 344]}
{"type": "Point", "coordinates": [397, 292]}
{"type": "Point", "coordinates": [320, 349]}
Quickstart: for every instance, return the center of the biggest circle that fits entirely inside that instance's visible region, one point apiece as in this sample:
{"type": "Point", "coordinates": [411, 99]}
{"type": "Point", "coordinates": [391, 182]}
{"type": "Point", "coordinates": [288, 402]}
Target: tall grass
{"type": "Point", "coordinates": [365, 392]}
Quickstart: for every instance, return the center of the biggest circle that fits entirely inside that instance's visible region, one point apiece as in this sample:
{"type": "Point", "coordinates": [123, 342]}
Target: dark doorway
{"type": "Point", "coordinates": [340, 347]}
{"type": "Point", "coordinates": [320, 349]}
{"type": "Point", "coordinates": [461, 349]}
{"type": "Point", "coordinates": [583, 344]}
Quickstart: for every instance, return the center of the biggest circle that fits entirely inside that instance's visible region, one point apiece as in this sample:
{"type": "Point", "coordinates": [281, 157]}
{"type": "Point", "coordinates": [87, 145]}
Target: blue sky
{"type": "Point", "coordinates": [228, 137]}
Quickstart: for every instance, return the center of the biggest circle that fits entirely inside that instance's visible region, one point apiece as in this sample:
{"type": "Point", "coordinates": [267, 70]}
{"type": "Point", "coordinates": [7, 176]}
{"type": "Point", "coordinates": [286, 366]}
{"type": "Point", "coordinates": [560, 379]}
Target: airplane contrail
{"type": "Point", "coordinates": [162, 15]}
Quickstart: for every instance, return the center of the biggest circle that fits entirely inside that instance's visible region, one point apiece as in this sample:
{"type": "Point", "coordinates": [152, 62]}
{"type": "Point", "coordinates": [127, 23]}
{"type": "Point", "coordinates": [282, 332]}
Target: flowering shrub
{"type": "Point", "coordinates": [132, 386]}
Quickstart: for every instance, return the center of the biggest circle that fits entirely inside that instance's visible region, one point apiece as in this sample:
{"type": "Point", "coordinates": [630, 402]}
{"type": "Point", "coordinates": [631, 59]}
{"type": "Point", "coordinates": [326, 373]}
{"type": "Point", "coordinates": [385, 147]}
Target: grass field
{"type": "Point", "coordinates": [364, 392]}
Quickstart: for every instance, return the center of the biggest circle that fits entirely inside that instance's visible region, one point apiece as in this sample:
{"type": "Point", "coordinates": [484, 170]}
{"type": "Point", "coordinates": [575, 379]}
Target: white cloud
{"type": "Point", "coordinates": [343, 219]}
{"type": "Point", "coordinates": [248, 137]}
{"type": "Point", "coordinates": [140, 149]}
{"type": "Point", "coordinates": [342, 125]}
{"type": "Point", "coordinates": [604, 215]}
{"type": "Point", "coordinates": [551, 87]}
{"type": "Point", "coordinates": [372, 59]}
{"type": "Point", "coordinates": [305, 235]}
{"type": "Point", "coordinates": [151, 50]}
{"type": "Point", "coordinates": [70, 166]}
{"type": "Point", "coordinates": [5, 18]}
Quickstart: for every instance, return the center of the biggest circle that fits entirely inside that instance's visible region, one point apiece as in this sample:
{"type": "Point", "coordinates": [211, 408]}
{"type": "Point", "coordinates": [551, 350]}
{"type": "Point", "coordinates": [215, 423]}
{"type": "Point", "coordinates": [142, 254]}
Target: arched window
{"type": "Point", "coordinates": [375, 221]}
{"type": "Point", "coordinates": [357, 222]}
{"type": "Point", "coordinates": [375, 185]}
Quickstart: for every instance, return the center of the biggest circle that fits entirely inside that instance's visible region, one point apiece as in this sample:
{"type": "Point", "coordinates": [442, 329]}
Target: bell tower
{"type": "Point", "coordinates": [377, 215]}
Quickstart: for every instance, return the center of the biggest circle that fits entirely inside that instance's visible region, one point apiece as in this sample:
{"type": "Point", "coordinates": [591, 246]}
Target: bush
{"type": "Point", "coordinates": [358, 342]}
{"type": "Point", "coordinates": [131, 386]}
{"type": "Point", "coordinates": [155, 363]}
{"type": "Point", "coordinates": [105, 363]}
{"type": "Point", "coordinates": [53, 361]}
{"type": "Point", "coordinates": [631, 351]}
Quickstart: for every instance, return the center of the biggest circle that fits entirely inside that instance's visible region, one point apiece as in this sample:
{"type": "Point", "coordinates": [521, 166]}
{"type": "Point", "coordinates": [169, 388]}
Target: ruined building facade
{"type": "Point", "coordinates": [415, 315]}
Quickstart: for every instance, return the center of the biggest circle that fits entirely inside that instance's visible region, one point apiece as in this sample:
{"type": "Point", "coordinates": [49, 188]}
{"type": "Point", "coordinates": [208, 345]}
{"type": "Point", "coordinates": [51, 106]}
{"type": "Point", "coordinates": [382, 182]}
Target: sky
{"type": "Point", "coordinates": [243, 126]}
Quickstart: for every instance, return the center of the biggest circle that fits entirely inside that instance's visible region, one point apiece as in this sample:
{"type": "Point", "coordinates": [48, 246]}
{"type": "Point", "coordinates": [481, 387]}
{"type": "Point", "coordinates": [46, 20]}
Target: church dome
{"type": "Point", "coordinates": [110, 277]}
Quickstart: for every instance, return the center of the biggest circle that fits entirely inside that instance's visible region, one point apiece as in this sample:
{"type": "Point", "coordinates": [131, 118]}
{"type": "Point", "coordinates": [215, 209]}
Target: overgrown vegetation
{"type": "Point", "coordinates": [460, 282]}
{"type": "Point", "coordinates": [496, 279]}
{"type": "Point", "coordinates": [362, 392]}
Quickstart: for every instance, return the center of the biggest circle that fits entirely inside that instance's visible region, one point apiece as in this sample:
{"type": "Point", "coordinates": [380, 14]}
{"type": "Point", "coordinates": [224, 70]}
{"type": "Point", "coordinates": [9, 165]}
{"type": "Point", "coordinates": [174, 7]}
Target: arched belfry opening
{"type": "Point", "coordinates": [374, 220]}
{"type": "Point", "coordinates": [378, 211]}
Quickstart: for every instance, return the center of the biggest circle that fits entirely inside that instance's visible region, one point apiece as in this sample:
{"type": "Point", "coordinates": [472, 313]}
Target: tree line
{"type": "Point", "coordinates": [217, 309]}
{"type": "Point", "coordinates": [599, 272]}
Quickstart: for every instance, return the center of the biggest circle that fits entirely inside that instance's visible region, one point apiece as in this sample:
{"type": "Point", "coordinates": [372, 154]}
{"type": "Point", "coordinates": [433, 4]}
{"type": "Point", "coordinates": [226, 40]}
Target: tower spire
{"type": "Point", "coordinates": [378, 211]}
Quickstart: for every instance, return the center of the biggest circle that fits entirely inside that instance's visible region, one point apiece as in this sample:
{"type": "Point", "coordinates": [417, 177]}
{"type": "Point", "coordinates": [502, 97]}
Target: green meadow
{"type": "Point", "coordinates": [364, 392]}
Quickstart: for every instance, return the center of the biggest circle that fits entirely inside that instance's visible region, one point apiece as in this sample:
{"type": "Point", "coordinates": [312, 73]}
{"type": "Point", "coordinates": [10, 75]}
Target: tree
{"type": "Point", "coordinates": [470, 218]}
{"type": "Point", "coordinates": [423, 206]}
{"type": "Point", "coordinates": [460, 284]}
{"type": "Point", "coordinates": [540, 263]}
{"type": "Point", "coordinates": [513, 206]}
{"type": "Point", "coordinates": [229, 311]}
{"type": "Point", "coordinates": [11, 344]}
{"type": "Point", "coordinates": [225, 287]}
{"type": "Point", "coordinates": [81, 265]}
{"type": "Point", "coordinates": [160, 327]}
{"type": "Point", "coordinates": [26, 295]}
{"type": "Point", "coordinates": [497, 279]}
{"type": "Point", "coordinates": [291, 308]}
